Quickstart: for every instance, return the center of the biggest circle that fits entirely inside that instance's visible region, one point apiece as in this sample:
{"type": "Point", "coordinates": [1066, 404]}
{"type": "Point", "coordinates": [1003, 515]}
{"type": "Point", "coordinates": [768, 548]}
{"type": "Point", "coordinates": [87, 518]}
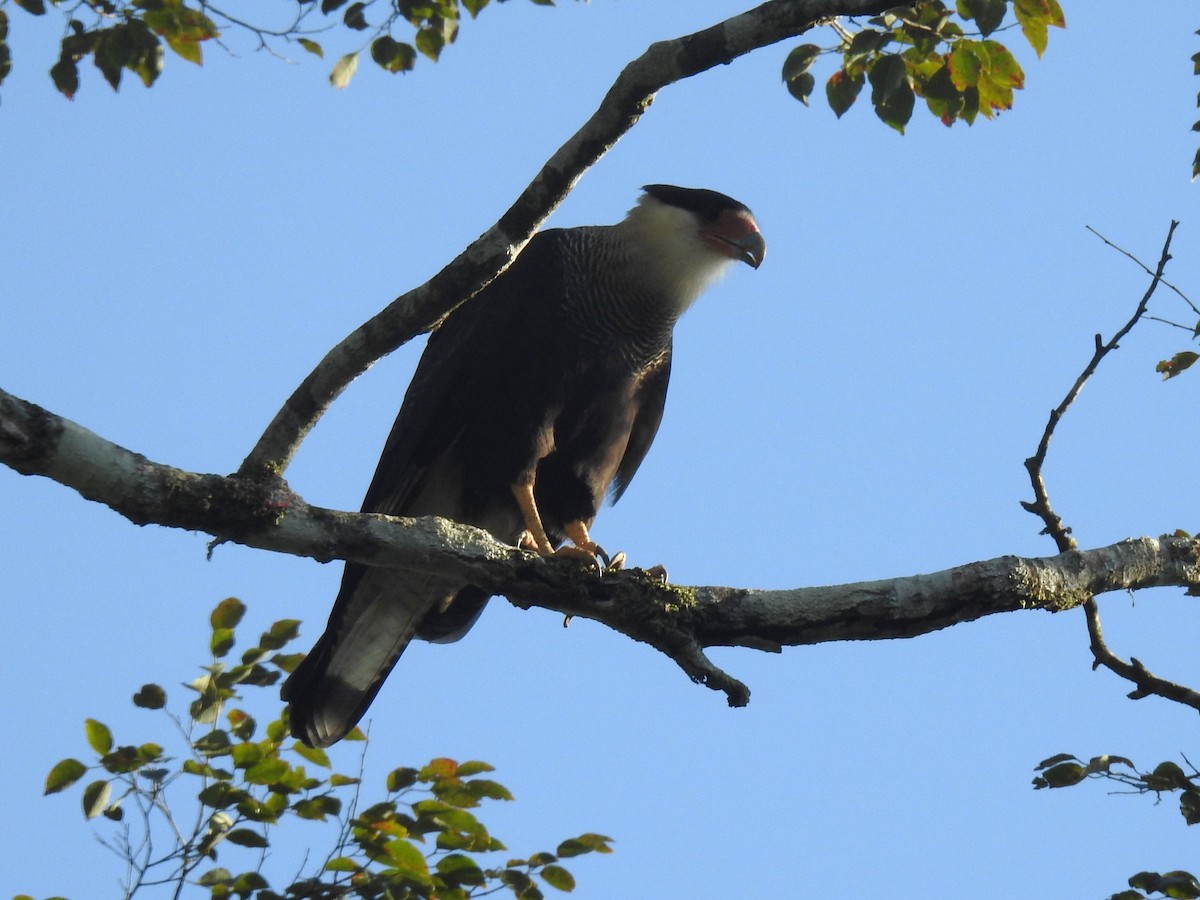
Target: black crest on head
{"type": "Point", "coordinates": [705, 203]}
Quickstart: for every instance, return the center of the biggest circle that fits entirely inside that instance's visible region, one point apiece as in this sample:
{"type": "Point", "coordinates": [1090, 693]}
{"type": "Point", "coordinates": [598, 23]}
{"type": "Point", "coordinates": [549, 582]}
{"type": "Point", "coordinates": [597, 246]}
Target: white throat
{"type": "Point", "coordinates": [667, 245]}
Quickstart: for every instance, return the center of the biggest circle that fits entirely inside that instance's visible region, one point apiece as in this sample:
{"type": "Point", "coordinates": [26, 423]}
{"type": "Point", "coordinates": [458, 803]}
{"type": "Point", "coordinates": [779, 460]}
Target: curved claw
{"type": "Point", "coordinates": [569, 551]}
{"type": "Point", "coordinates": [601, 555]}
{"type": "Point", "coordinates": [658, 573]}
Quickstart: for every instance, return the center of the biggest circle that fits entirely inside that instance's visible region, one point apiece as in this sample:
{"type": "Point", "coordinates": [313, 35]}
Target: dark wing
{"type": "Point", "coordinates": [483, 352]}
{"type": "Point", "coordinates": [652, 397]}
{"type": "Point", "coordinates": [470, 415]}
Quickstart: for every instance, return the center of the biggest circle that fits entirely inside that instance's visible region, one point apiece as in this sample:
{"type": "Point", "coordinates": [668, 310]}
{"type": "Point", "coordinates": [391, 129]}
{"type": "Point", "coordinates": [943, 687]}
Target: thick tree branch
{"type": "Point", "coordinates": [417, 311]}
{"type": "Point", "coordinates": [678, 621]}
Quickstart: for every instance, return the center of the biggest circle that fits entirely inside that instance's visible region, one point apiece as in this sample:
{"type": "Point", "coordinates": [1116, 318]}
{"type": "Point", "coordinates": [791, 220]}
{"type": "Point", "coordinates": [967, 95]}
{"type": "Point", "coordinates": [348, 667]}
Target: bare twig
{"type": "Point", "coordinates": [1147, 684]}
{"type": "Point", "coordinates": [1041, 507]}
{"type": "Point", "coordinates": [1145, 268]}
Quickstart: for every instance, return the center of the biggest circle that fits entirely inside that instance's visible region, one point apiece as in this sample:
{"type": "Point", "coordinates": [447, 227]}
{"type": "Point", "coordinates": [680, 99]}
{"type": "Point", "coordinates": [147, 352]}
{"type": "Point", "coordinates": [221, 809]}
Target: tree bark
{"type": "Point", "coordinates": [677, 620]}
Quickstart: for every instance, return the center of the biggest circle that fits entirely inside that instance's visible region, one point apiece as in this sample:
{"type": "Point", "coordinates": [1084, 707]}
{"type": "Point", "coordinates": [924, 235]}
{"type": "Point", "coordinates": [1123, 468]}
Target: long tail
{"type": "Point", "coordinates": [376, 615]}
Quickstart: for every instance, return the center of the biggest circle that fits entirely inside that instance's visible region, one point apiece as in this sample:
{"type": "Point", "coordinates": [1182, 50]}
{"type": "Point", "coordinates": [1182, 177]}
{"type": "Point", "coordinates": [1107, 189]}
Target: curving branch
{"type": "Point", "coordinates": [678, 621]}
{"type": "Point", "coordinates": [420, 309]}
{"type": "Point", "coordinates": [1147, 684]}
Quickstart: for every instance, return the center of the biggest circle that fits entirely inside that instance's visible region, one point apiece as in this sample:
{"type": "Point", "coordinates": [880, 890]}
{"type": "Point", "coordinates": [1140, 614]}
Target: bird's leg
{"type": "Point", "coordinates": [535, 532]}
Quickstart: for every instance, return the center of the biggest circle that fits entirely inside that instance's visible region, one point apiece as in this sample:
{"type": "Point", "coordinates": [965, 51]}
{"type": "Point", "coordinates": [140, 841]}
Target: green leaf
{"type": "Point", "coordinates": [403, 855]}
{"type": "Point", "coordinates": [65, 75]}
{"type": "Point", "coordinates": [99, 738]}
{"type": "Point", "coordinates": [484, 787]}
{"type": "Point", "coordinates": [1063, 775]}
{"type": "Point", "coordinates": [64, 774]}
{"type": "Point", "coordinates": [151, 696]}
{"type": "Point", "coordinates": [241, 724]}
{"type": "Point", "coordinates": [458, 869]}
{"type": "Point", "coordinates": [130, 759]}
{"type": "Point", "coordinates": [800, 60]}
{"type": "Point", "coordinates": [399, 779]}
{"type": "Point", "coordinates": [891, 93]}
{"type": "Point", "coordinates": [999, 76]}
{"type": "Point", "coordinates": [864, 44]}
{"type": "Point", "coordinates": [988, 14]}
{"type": "Point", "coordinates": [521, 884]}
{"type": "Point", "coordinates": [227, 614]}
{"type": "Point", "coordinates": [316, 756]}
{"type": "Point", "coordinates": [215, 743]}
{"type": "Point", "coordinates": [343, 70]}
{"type": "Point", "coordinates": [558, 877]}
{"type": "Point", "coordinates": [312, 47]}
{"type": "Point", "coordinates": [354, 18]}
{"type": "Point", "coordinates": [1106, 762]}
{"type": "Point", "coordinates": [1167, 776]}
{"type": "Point", "coordinates": [1035, 16]}
{"type": "Point", "coordinates": [1054, 761]}
{"type": "Point", "coordinates": [1189, 806]}
{"type": "Point", "coordinates": [1185, 359]}
{"type": "Point", "coordinates": [342, 864]}
{"type": "Point", "coordinates": [841, 90]}
{"type": "Point", "coordinates": [248, 882]}
{"type": "Point", "coordinates": [474, 6]}
{"type": "Point", "coordinates": [1179, 885]}
{"type": "Point", "coordinates": [284, 630]}
{"type": "Point", "coordinates": [147, 58]}
{"type": "Point", "coordinates": [964, 64]}
{"type": "Point", "coordinates": [214, 876]}
{"type": "Point", "coordinates": [219, 795]}
{"type": "Point", "coordinates": [435, 769]}
{"type": "Point", "coordinates": [245, 837]}
{"type": "Point", "coordinates": [328, 6]}
{"type": "Point", "coordinates": [95, 798]}
{"type": "Point", "coordinates": [317, 808]}
{"type": "Point", "coordinates": [431, 41]}
{"type": "Point", "coordinates": [267, 771]}
{"type": "Point", "coordinates": [5, 58]}
{"type": "Point", "coordinates": [247, 755]}
{"type": "Point", "coordinates": [474, 767]}
{"type": "Point", "coordinates": [37, 7]}
{"type": "Point", "coordinates": [588, 842]}
{"type": "Point", "coordinates": [801, 87]}
{"type": "Point", "coordinates": [222, 638]}
{"type": "Point", "coordinates": [112, 52]}
{"type": "Point", "coordinates": [393, 55]}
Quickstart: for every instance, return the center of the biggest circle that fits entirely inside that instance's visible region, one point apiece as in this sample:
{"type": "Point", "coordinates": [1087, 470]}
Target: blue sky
{"type": "Point", "coordinates": [175, 260]}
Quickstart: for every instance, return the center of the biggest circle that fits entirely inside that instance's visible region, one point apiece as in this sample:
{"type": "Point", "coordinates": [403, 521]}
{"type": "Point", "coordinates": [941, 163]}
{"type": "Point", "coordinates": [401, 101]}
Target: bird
{"type": "Point", "coordinates": [532, 402]}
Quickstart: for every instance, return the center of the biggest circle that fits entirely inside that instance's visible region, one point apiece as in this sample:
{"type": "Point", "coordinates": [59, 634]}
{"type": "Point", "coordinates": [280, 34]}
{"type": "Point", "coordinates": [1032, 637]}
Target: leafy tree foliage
{"type": "Point", "coordinates": [129, 35]}
{"type": "Point", "coordinates": [927, 50]}
{"type": "Point", "coordinates": [943, 53]}
{"type": "Point", "coordinates": [1065, 770]}
{"type": "Point", "coordinates": [421, 840]}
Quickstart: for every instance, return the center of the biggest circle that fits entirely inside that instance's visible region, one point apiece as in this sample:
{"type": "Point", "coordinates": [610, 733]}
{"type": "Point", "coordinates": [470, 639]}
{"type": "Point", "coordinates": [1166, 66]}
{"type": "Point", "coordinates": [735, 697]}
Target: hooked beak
{"type": "Point", "coordinates": [750, 249]}
{"type": "Point", "coordinates": [736, 235]}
